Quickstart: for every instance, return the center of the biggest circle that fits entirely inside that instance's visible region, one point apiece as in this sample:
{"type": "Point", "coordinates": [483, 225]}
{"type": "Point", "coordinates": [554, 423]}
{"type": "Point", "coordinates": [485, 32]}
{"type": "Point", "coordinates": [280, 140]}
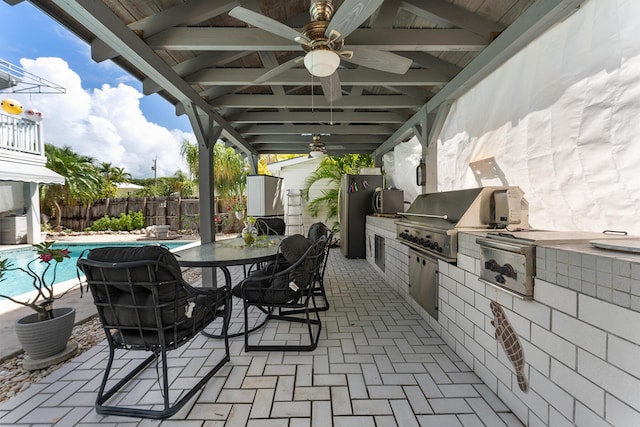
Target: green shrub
{"type": "Point", "coordinates": [101, 224]}
{"type": "Point", "coordinates": [137, 220]}
{"type": "Point", "coordinates": [128, 222]}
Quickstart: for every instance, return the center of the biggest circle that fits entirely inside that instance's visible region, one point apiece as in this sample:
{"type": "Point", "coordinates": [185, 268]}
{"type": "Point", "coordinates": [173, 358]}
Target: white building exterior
{"type": "Point", "coordinates": [22, 169]}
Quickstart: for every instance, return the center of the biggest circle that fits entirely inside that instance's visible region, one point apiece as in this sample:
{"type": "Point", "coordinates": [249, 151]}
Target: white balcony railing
{"type": "Point", "coordinates": [20, 135]}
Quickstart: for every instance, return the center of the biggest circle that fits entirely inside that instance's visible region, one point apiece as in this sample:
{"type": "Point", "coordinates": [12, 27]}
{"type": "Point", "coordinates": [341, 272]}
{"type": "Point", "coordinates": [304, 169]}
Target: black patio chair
{"type": "Point", "coordinates": [270, 226]}
{"type": "Point", "coordinates": [285, 286]}
{"type": "Point", "coordinates": [266, 226]}
{"type": "Point", "coordinates": [316, 231]}
{"type": "Point", "coordinates": [144, 304]}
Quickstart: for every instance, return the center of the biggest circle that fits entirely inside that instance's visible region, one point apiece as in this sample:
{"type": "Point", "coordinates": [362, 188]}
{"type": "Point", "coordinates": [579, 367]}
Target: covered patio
{"type": "Point", "coordinates": [378, 364]}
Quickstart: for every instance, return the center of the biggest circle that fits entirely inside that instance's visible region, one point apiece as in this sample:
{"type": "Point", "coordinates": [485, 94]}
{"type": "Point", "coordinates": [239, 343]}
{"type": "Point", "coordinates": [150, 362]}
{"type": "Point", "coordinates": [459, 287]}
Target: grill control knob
{"type": "Point", "coordinates": [508, 270]}
{"type": "Point", "coordinates": [439, 249]}
{"type": "Point", "coordinates": [491, 265]}
{"type": "Point", "coordinates": [421, 241]}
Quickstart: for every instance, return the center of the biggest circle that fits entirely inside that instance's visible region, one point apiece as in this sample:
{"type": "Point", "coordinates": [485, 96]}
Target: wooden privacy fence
{"type": "Point", "coordinates": [179, 213]}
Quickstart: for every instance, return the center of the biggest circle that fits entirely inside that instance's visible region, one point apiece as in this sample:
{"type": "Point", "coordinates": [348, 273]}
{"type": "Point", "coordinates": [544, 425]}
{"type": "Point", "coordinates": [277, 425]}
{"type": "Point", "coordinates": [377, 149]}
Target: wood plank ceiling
{"type": "Point", "coordinates": [195, 52]}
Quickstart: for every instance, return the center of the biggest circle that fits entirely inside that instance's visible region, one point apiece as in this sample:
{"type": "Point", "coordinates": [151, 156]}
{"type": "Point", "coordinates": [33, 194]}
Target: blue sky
{"type": "Point", "coordinates": [105, 106]}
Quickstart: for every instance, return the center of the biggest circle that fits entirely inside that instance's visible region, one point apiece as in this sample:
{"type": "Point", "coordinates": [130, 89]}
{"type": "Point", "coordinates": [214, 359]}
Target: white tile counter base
{"type": "Point", "coordinates": [581, 348]}
{"type": "Point", "coordinates": [581, 351]}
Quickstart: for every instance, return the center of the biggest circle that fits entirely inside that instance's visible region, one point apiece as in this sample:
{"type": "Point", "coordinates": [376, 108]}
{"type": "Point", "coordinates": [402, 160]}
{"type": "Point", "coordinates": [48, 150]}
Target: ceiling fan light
{"type": "Point", "coordinates": [321, 62]}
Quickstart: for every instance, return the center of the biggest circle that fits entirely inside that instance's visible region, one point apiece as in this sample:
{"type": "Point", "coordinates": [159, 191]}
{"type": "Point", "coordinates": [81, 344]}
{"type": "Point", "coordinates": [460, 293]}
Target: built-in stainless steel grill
{"type": "Point", "coordinates": [431, 224]}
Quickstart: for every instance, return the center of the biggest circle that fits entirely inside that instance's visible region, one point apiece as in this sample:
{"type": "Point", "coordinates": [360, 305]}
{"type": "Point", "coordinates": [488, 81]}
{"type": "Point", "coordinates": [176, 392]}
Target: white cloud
{"type": "Point", "coordinates": [106, 123]}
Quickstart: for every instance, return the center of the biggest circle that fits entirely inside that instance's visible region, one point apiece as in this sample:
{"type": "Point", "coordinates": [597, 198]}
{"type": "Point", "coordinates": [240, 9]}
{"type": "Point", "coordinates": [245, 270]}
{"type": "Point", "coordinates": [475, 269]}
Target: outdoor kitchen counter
{"type": "Point", "coordinates": [579, 334]}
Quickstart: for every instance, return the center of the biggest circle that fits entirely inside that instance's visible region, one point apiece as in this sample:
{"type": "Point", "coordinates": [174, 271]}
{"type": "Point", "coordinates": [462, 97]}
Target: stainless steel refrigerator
{"type": "Point", "coordinates": [355, 202]}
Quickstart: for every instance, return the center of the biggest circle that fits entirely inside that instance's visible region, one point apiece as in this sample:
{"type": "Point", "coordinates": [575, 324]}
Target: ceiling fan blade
{"type": "Point", "coordinates": [351, 15]}
{"type": "Point", "coordinates": [379, 60]}
{"type": "Point", "coordinates": [267, 24]}
{"type": "Point", "coordinates": [331, 87]}
{"type": "Point", "coordinates": [279, 69]}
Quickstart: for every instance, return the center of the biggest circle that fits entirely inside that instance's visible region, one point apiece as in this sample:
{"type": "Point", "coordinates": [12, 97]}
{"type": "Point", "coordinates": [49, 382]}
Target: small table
{"type": "Point", "coordinates": [225, 253]}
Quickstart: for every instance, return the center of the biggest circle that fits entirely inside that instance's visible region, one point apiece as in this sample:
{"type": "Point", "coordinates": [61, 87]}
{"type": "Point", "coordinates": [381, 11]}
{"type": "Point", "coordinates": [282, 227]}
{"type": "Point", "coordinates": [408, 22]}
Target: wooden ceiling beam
{"type": "Point", "coordinates": [226, 38]}
{"type": "Point", "coordinates": [301, 77]}
{"type": "Point", "coordinates": [452, 14]}
{"type": "Point", "coordinates": [191, 12]}
{"type": "Point", "coordinates": [291, 129]}
{"type": "Point", "coordinates": [316, 117]}
{"type": "Point", "coordinates": [327, 139]}
{"type": "Point", "coordinates": [304, 101]}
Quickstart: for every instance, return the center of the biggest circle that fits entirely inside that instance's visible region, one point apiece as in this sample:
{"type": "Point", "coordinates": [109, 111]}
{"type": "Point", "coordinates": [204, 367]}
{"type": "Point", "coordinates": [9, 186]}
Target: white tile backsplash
{"type": "Point", "coordinates": [620, 414]}
{"type": "Point", "coordinates": [621, 268]}
{"type": "Point", "coordinates": [585, 336]}
{"type": "Point", "coordinates": [611, 318]}
{"type": "Point", "coordinates": [615, 381]}
{"type": "Point", "coordinates": [537, 313]}
{"type": "Point", "coordinates": [557, 347]}
{"type": "Point", "coordinates": [578, 386]}
{"type": "Point", "coordinates": [624, 355]}
{"type": "Point", "coordinates": [556, 297]}
{"type": "Point", "coordinates": [586, 417]}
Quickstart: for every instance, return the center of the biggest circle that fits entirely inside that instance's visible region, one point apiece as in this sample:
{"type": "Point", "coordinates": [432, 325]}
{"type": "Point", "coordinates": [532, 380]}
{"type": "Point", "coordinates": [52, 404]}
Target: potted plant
{"type": "Point", "coordinates": [249, 232]}
{"type": "Point", "coordinates": [45, 333]}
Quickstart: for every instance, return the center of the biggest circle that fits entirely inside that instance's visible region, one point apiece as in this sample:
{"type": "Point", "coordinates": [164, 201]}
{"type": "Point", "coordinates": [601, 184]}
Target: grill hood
{"type": "Point", "coordinates": [486, 207]}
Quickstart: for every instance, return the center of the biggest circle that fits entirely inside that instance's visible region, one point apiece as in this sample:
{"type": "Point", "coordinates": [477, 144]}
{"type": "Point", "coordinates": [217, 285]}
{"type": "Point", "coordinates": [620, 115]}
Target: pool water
{"type": "Point", "coordinates": [17, 282]}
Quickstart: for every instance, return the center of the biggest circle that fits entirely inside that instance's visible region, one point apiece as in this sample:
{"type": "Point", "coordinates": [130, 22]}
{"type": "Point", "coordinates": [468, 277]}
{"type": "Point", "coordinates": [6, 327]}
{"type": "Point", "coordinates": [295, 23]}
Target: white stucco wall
{"type": "Point", "coordinates": [561, 119]}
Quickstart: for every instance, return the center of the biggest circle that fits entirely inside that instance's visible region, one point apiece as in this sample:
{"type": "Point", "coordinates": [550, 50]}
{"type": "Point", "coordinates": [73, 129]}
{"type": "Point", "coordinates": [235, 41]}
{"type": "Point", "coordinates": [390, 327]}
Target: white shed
{"type": "Point", "coordinates": [295, 171]}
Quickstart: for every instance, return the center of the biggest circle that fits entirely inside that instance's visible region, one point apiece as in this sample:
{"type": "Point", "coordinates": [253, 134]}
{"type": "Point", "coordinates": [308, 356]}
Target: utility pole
{"type": "Point", "coordinates": [155, 171]}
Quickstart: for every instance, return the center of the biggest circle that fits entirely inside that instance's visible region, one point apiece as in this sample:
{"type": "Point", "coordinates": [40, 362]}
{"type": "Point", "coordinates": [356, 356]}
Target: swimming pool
{"type": "Point", "coordinates": [18, 283]}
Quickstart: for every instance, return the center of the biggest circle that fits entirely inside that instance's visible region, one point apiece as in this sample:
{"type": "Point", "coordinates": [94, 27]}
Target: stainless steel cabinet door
{"type": "Point", "coordinates": [423, 282]}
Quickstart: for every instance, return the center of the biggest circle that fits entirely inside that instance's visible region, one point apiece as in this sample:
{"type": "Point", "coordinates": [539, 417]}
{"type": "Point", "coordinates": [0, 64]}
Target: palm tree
{"type": "Point", "coordinates": [228, 169]}
{"type": "Point", "coordinates": [82, 180]}
{"type": "Point", "coordinates": [182, 184]}
{"type": "Point", "coordinates": [112, 175]}
{"type": "Point", "coordinates": [229, 173]}
{"type": "Point", "coordinates": [332, 168]}
{"type": "Point", "coordinates": [189, 152]}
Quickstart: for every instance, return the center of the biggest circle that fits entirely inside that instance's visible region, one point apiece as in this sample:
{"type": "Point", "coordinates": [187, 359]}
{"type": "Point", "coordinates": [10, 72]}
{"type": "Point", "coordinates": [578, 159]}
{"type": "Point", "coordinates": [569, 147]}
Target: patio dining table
{"type": "Point", "coordinates": [230, 252]}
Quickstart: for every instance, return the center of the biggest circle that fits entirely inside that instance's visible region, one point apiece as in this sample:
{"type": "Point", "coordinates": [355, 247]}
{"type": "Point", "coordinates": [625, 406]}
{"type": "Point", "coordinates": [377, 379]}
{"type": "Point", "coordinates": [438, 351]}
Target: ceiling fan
{"type": "Point", "coordinates": [317, 147]}
{"type": "Point", "coordinates": [323, 41]}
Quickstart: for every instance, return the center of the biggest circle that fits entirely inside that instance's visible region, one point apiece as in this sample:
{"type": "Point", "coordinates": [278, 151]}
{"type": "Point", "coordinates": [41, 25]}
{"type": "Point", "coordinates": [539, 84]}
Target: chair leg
{"type": "Point", "coordinates": [169, 409]}
{"type": "Point", "coordinates": [285, 316]}
{"type": "Point", "coordinates": [247, 331]}
{"type": "Point", "coordinates": [317, 291]}
{"type": "Point", "coordinates": [321, 292]}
